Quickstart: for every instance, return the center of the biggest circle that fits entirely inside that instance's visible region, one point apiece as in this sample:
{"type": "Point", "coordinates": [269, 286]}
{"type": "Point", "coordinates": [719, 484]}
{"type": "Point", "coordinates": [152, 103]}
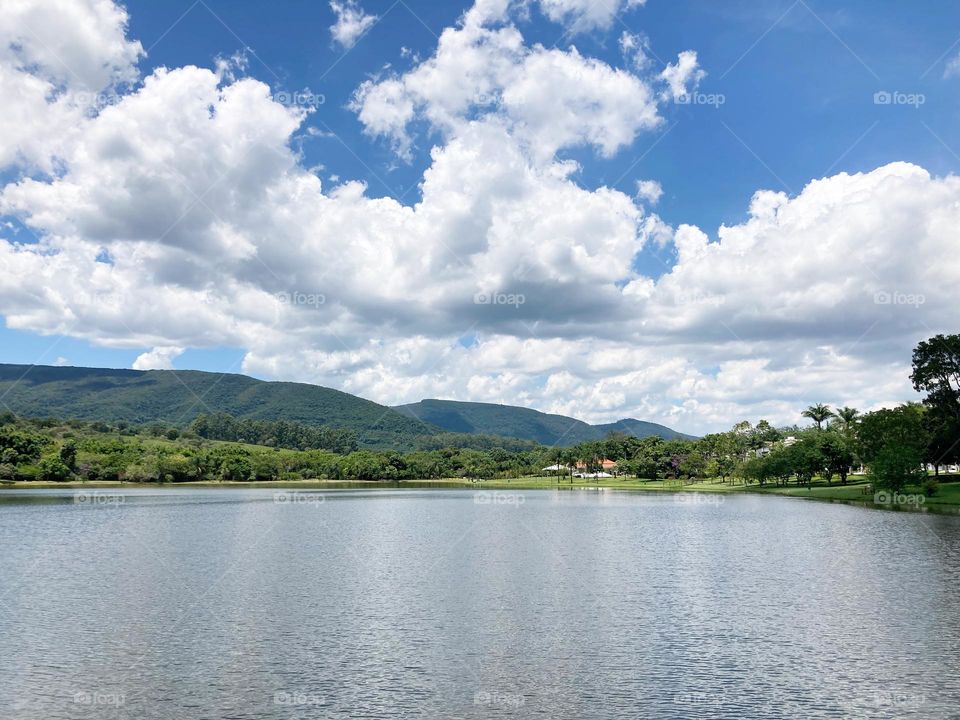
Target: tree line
{"type": "Point", "coordinates": [894, 445]}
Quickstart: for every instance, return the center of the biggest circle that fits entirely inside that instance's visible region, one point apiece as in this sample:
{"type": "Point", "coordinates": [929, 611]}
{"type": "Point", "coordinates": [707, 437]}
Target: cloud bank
{"type": "Point", "coordinates": [179, 216]}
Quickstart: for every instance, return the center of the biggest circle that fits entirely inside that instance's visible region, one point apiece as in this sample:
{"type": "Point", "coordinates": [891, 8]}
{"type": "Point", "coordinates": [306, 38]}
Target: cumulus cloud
{"type": "Point", "coordinates": [586, 15]}
{"type": "Point", "coordinates": [649, 191]}
{"type": "Point", "coordinates": [549, 99]}
{"type": "Point", "coordinates": [352, 22]}
{"type": "Point", "coordinates": [684, 76]}
{"type": "Point", "coordinates": [506, 281]}
{"type": "Point", "coordinates": [160, 358]}
{"type": "Point", "coordinates": [58, 62]}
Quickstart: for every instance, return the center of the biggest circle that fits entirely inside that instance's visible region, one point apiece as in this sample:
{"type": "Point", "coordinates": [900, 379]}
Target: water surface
{"type": "Point", "coordinates": [242, 603]}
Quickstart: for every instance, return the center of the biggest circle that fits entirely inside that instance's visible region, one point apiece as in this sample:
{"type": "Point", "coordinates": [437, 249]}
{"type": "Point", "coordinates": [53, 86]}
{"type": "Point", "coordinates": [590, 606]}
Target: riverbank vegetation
{"type": "Point", "coordinates": [891, 449]}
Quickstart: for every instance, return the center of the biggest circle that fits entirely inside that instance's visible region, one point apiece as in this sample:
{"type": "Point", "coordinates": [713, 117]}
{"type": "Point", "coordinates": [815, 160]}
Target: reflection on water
{"type": "Point", "coordinates": [248, 603]}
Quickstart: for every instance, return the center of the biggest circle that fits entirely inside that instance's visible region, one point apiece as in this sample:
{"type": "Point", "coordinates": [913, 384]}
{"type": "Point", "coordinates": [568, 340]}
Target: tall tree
{"type": "Point", "coordinates": [936, 371]}
{"type": "Point", "coordinates": [847, 416]}
{"type": "Point", "coordinates": [818, 413]}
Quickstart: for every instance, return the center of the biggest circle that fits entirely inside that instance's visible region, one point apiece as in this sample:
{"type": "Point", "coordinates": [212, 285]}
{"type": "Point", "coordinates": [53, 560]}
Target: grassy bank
{"type": "Point", "coordinates": [947, 498]}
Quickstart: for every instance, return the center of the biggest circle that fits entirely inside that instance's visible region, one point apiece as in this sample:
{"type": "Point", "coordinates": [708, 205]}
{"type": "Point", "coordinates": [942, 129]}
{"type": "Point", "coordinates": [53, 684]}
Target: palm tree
{"type": "Point", "coordinates": [848, 416]}
{"type": "Point", "coordinates": [818, 413]}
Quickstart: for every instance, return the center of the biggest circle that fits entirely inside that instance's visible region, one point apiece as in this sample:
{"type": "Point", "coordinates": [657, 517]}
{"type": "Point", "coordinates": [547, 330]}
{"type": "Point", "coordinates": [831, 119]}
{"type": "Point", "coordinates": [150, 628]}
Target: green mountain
{"type": "Point", "coordinates": [641, 429]}
{"type": "Point", "coordinates": [178, 397]}
{"type": "Point", "coordinates": [520, 422]}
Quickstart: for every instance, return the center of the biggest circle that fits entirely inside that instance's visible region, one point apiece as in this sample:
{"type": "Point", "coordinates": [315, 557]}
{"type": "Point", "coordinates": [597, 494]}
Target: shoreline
{"type": "Point", "coordinates": [947, 501]}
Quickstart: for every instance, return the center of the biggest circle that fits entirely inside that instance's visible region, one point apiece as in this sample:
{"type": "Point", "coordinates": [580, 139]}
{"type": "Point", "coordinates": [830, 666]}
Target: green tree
{"type": "Point", "coordinates": [837, 452]}
{"type": "Point", "coordinates": [52, 468]}
{"type": "Point", "coordinates": [903, 426]}
{"type": "Point", "coordinates": [847, 420]}
{"type": "Point", "coordinates": [68, 454]}
{"type": "Point", "coordinates": [897, 466]}
{"type": "Point", "coordinates": [936, 371]}
{"type": "Point", "coordinates": [805, 459]}
{"type": "Point", "coordinates": [819, 413]}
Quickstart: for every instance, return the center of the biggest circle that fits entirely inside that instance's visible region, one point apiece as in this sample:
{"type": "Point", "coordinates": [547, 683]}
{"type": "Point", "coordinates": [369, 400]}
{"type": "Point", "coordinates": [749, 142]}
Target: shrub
{"type": "Point", "coordinates": [53, 469]}
{"type": "Point", "coordinates": [897, 466]}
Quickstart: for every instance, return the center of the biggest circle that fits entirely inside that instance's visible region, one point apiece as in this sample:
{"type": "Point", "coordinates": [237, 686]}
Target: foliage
{"type": "Point", "coordinates": [52, 468]}
{"type": "Point", "coordinates": [897, 466]}
{"type": "Point", "coordinates": [902, 426]}
{"type": "Point", "coordinates": [279, 433]}
{"type": "Point", "coordinates": [169, 398]}
{"type": "Point", "coordinates": [819, 413]}
{"type": "Point", "coordinates": [894, 444]}
{"type": "Point", "coordinates": [936, 371]}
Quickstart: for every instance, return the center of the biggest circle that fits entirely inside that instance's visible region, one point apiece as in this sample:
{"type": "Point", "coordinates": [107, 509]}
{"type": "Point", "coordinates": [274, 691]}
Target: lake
{"type": "Point", "coordinates": [262, 603]}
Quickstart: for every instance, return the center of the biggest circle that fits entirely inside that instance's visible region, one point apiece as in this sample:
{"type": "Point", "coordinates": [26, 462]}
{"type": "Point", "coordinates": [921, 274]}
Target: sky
{"type": "Point", "coordinates": [687, 212]}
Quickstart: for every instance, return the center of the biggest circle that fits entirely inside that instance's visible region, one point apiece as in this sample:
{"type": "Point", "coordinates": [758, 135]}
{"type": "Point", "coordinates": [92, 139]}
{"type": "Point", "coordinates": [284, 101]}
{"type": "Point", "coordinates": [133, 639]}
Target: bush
{"type": "Point", "coordinates": [53, 469]}
{"type": "Point", "coordinates": [897, 466]}
{"type": "Point", "coordinates": [930, 486]}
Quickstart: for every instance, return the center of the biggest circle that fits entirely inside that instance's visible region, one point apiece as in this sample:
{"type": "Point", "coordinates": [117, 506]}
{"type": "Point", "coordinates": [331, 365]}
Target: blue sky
{"type": "Point", "coordinates": [798, 79]}
{"type": "Point", "coordinates": [793, 87]}
{"type": "Point", "coordinates": [806, 71]}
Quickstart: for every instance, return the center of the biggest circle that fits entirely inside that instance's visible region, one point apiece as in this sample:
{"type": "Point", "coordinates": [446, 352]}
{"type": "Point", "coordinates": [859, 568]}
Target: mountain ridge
{"type": "Point", "coordinates": [526, 423]}
{"type": "Point", "coordinates": [177, 396]}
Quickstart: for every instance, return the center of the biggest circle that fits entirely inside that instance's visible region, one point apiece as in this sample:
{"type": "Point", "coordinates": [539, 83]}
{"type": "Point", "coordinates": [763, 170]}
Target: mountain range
{"type": "Point", "coordinates": [177, 397]}
{"type": "Point", "coordinates": [521, 422]}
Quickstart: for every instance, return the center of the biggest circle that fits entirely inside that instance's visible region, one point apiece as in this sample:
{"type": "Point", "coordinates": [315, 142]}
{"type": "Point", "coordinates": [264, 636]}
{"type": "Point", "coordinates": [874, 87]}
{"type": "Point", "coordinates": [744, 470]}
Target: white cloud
{"type": "Point", "coordinates": [219, 237]}
{"type": "Point", "coordinates": [684, 76]}
{"type": "Point", "coordinates": [352, 22]}
{"type": "Point", "coordinates": [649, 191]}
{"type": "Point", "coordinates": [586, 15]}
{"type": "Point", "coordinates": [635, 48]}
{"type": "Point", "coordinates": [59, 59]}
{"type": "Point", "coordinates": [953, 68]}
{"type": "Point", "coordinates": [549, 99]}
{"type": "Point", "coordinates": [160, 358]}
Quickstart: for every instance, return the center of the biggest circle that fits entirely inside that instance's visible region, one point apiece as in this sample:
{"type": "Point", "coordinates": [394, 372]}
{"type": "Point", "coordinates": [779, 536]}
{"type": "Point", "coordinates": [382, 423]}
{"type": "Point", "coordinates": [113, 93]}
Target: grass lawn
{"type": "Point", "coordinates": [947, 496]}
